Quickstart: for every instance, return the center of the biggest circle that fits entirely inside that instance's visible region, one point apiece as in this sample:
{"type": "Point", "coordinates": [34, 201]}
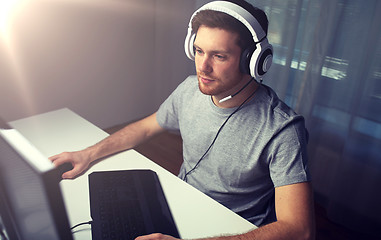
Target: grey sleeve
{"type": "Point", "coordinates": [288, 164]}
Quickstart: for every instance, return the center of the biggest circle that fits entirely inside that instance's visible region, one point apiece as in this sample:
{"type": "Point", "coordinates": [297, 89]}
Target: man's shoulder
{"type": "Point", "coordinates": [269, 109]}
{"type": "Point", "coordinates": [277, 105]}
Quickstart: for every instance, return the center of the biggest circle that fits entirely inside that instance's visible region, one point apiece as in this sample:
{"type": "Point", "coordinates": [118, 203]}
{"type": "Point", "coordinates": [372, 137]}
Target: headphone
{"type": "Point", "coordinates": [255, 60]}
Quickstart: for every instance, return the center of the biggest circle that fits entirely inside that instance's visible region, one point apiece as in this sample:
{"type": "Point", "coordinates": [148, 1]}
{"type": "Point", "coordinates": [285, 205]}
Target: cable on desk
{"type": "Point", "coordinates": [80, 224]}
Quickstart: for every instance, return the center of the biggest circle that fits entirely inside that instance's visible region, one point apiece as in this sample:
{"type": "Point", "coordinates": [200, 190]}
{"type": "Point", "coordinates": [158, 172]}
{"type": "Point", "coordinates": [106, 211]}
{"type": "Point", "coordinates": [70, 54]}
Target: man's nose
{"type": "Point", "coordinates": [205, 64]}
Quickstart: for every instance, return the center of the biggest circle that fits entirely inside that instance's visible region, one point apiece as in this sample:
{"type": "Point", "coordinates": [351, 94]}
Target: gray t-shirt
{"type": "Point", "coordinates": [262, 146]}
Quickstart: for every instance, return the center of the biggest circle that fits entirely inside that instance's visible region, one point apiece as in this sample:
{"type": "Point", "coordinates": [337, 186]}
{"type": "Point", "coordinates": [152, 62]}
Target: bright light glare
{"type": "Point", "coordinates": [6, 7]}
{"type": "Point", "coordinates": [7, 47]}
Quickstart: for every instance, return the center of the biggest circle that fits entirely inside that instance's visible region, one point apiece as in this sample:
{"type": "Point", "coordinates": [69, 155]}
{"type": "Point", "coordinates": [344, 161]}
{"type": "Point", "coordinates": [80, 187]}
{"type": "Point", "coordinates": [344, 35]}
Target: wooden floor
{"type": "Point", "coordinates": [166, 150]}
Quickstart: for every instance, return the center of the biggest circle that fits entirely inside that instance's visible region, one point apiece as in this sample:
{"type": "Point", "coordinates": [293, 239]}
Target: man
{"type": "Point", "coordinates": [247, 152]}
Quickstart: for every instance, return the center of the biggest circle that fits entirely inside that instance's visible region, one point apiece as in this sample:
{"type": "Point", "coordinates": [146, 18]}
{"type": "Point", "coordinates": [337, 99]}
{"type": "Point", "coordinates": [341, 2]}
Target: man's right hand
{"type": "Point", "coordinates": [80, 161]}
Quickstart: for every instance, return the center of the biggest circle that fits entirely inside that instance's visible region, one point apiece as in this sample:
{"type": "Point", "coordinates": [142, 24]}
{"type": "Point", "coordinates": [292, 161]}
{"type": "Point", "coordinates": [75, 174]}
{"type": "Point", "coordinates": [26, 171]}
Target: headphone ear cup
{"type": "Point", "coordinates": [261, 59]}
{"type": "Point", "coordinates": [265, 62]}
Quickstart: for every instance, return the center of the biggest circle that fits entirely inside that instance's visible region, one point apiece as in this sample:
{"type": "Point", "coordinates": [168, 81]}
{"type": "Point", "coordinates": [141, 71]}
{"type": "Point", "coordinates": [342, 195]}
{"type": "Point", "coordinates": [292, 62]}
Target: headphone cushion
{"type": "Point", "coordinates": [244, 64]}
{"type": "Point", "coordinates": [188, 44]}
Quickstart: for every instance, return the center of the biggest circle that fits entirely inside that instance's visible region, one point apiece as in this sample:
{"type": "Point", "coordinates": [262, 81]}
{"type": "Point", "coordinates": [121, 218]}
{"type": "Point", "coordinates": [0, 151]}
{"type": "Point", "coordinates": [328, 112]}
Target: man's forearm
{"type": "Point", "coordinates": [273, 231]}
{"type": "Point", "coordinates": [126, 138]}
{"type": "Point", "coordinates": [277, 231]}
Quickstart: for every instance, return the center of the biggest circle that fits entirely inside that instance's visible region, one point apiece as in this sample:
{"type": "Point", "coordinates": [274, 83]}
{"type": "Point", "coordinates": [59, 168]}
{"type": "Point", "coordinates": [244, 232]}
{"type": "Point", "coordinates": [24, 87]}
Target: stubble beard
{"type": "Point", "coordinates": [215, 90]}
{"type": "Point", "coordinates": [207, 90]}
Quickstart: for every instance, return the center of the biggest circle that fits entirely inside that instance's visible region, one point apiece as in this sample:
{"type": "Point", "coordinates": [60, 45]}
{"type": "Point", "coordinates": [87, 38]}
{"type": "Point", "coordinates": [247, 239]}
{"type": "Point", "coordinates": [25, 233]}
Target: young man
{"type": "Point", "coordinates": [247, 152]}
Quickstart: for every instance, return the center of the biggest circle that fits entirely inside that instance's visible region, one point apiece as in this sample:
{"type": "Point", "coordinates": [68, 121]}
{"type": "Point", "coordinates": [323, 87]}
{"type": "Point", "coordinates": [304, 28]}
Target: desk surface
{"type": "Point", "coordinates": [195, 214]}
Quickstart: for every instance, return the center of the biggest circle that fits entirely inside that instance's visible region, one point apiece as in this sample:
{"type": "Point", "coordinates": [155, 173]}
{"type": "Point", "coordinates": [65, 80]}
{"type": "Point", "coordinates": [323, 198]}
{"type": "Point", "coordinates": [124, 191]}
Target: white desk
{"type": "Point", "coordinates": [195, 214]}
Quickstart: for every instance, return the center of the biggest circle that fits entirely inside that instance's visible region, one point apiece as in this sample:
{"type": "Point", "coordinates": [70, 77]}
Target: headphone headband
{"type": "Point", "coordinates": [238, 13]}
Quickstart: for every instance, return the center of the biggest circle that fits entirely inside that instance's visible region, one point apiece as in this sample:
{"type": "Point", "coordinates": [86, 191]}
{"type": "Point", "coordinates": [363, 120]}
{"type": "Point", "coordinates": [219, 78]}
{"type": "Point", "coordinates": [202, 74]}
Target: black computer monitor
{"type": "Point", "coordinates": [31, 203]}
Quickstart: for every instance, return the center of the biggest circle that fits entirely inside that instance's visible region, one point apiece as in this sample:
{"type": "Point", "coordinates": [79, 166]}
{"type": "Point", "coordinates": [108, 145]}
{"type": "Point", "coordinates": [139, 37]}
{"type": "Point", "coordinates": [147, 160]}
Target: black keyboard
{"type": "Point", "coordinates": [128, 204]}
{"type": "Point", "coordinates": [119, 217]}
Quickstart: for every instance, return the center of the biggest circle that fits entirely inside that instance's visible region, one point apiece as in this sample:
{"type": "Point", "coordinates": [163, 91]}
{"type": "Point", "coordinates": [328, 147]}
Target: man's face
{"type": "Point", "coordinates": [217, 61]}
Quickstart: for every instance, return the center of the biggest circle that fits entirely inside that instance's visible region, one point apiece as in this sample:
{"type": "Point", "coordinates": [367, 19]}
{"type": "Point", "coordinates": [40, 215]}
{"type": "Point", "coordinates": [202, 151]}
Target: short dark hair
{"type": "Point", "coordinates": [216, 19]}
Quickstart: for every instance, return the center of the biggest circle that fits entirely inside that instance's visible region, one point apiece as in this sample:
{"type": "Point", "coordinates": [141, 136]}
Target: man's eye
{"type": "Point", "coordinates": [198, 51]}
{"type": "Point", "coordinates": [220, 57]}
